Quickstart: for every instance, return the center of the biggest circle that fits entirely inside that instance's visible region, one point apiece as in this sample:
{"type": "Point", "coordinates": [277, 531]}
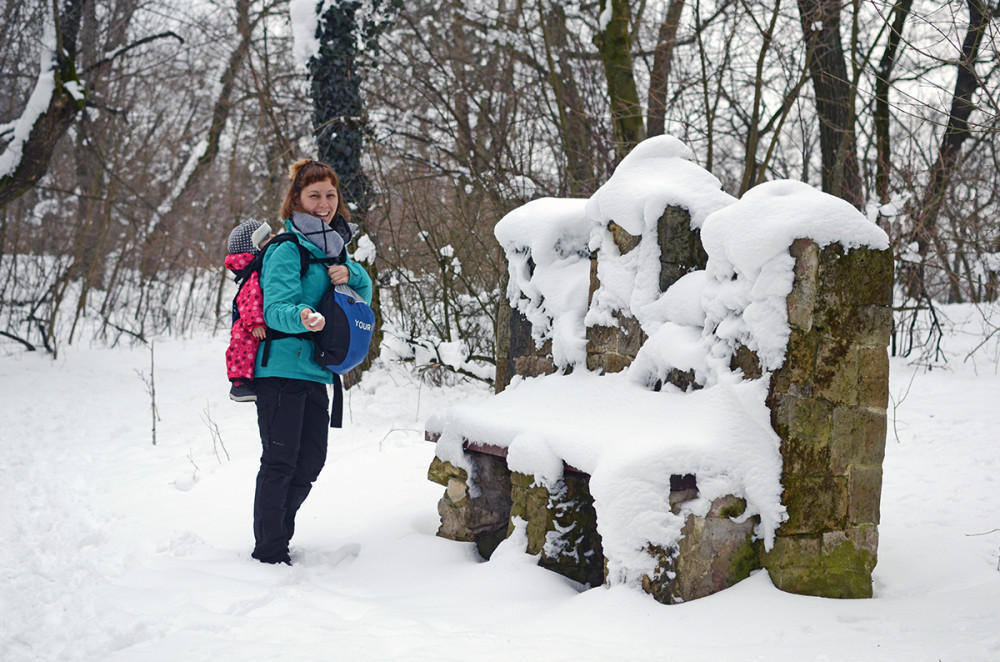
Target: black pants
{"type": "Point", "coordinates": [293, 420]}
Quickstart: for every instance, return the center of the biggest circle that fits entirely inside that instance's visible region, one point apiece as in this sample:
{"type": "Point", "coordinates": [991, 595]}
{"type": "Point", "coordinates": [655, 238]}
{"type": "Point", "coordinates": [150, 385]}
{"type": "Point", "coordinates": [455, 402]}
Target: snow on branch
{"type": "Point", "coordinates": [38, 104]}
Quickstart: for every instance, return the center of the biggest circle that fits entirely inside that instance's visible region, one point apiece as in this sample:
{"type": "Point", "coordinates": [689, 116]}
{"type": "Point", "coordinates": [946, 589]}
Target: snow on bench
{"type": "Point", "coordinates": [661, 313]}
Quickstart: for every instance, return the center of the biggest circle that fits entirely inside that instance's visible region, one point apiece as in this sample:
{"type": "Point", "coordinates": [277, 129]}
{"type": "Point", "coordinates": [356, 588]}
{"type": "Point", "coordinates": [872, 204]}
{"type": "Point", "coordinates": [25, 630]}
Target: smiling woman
{"type": "Point", "coordinates": [292, 399]}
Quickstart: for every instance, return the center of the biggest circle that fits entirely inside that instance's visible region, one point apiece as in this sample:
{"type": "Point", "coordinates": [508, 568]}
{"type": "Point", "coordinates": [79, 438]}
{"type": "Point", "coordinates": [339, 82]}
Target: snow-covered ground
{"type": "Point", "coordinates": [114, 549]}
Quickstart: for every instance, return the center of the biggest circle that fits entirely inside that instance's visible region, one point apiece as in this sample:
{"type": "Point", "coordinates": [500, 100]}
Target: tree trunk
{"type": "Point", "coordinates": [338, 123]}
{"type": "Point", "coordinates": [574, 126]}
{"type": "Point", "coordinates": [202, 164]}
{"type": "Point", "coordinates": [925, 218]}
{"type": "Point", "coordinates": [750, 164]}
{"type": "Point", "coordinates": [881, 117]}
{"type": "Point", "coordinates": [615, 47]}
{"type": "Point", "coordinates": [834, 99]}
{"type": "Point", "coordinates": [663, 56]}
{"type": "Point", "coordinates": [66, 101]}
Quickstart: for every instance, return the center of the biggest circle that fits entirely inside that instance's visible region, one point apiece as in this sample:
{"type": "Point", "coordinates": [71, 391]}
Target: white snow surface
{"type": "Point", "coordinates": [118, 550]}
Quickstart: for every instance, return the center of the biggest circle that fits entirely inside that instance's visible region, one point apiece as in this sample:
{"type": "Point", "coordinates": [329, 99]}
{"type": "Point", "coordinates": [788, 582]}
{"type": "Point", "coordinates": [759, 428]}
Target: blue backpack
{"type": "Point", "coordinates": [343, 342]}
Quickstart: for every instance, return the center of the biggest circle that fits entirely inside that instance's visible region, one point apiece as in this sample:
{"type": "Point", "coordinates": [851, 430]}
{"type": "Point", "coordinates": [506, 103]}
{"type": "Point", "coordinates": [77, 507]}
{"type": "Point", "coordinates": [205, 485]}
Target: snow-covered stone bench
{"type": "Point", "coordinates": [690, 387]}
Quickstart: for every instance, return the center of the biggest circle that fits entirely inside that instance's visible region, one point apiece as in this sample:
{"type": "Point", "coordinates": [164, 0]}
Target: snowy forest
{"type": "Point", "coordinates": [136, 133]}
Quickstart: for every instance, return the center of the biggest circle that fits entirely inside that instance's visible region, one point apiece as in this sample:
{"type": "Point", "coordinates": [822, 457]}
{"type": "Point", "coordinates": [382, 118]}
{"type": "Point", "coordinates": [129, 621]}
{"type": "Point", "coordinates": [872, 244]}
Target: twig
{"type": "Point", "coordinates": [895, 404]}
{"type": "Point", "coordinates": [394, 429]}
{"type": "Point", "coordinates": [150, 383]}
{"type": "Point", "coordinates": [213, 428]}
{"type": "Point", "coordinates": [196, 469]}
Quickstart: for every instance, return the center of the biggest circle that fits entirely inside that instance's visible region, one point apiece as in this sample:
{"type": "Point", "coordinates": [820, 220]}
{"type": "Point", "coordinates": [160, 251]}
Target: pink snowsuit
{"type": "Point", "coordinates": [242, 352]}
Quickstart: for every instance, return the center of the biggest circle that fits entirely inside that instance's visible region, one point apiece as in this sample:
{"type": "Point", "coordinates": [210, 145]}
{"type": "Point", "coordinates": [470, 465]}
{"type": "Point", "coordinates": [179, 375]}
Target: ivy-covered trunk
{"type": "Point", "coordinates": [339, 125]}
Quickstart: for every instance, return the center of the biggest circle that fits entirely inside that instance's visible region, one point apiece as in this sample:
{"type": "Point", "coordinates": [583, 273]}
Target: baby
{"type": "Point", "coordinates": [245, 243]}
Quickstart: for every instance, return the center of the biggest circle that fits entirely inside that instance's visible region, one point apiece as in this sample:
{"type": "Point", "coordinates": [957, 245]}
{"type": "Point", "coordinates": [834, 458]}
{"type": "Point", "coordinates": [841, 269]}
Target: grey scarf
{"type": "Point", "coordinates": [326, 237]}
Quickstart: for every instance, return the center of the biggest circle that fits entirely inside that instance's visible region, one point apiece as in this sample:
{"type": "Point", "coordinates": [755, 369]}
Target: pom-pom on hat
{"type": "Point", "coordinates": [247, 237]}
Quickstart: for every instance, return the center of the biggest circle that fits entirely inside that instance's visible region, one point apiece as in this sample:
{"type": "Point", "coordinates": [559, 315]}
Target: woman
{"type": "Point", "coordinates": [291, 388]}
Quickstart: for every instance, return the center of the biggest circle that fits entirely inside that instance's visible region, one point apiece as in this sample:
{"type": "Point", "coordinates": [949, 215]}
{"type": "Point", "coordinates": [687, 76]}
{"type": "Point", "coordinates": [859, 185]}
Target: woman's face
{"type": "Point", "coordinates": [320, 199]}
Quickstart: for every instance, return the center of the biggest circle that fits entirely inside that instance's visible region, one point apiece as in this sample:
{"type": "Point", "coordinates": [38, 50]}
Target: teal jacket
{"type": "Point", "coordinates": [286, 294]}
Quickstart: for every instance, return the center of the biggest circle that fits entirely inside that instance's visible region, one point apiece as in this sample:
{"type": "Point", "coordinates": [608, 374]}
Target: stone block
{"type": "Point", "coordinates": [747, 361]}
{"type": "Point", "coordinates": [865, 537]}
{"type": "Point", "coordinates": [859, 277]}
{"type": "Point", "coordinates": [441, 472]}
{"type": "Point", "coordinates": [873, 387]}
{"type": "Point", "coordinates": [799, 368]}
{"type": "Point", "coordinates": [561, 526]}
{"type": "Point", "coordinates": [681, 250]}
{"type": "Point", "coordinates": [831, 566]}
{"type": "Point", "coordinates": [802, 299]}
{"type": "Point", "coordinates": [858, 438]}
{"type": "Point", "coordinates": [815, 504]}
{"type": "Point", "coordinates": [601, 339]}
{"type": "Point", "coordinates": [533, 366]}
{"type": "Point", "coordinates": [865, 488]}
{"type": "Point", "coordinates": [791, 550]}
{"type": "Point", "coordinates": [520, 342]}
{"type": "Point", "coordinates": [456, 490]}
{"type": "Point", "coordinates": [837, 372]}
{"type": "Point", "coordinates": [630, 337]}
{"type": "Point", "coordinates": [684, 380]}
{"type": "Point", "coordinates": [481, 519]}
{"type": "Point", "coordinates": [805, 427]}
{"type": "Point", "coordinates": [715, 552]}
{"type": "Point", "coordinates": [625, 242]}
{"type": "Point", "coordinates": [610, 362]}
{"type": "Point", "coordinates": [874, 326]}
{"type": "Point", "coordinates": [594, 281]}
{"type": "Point", "coordinates": [530, 503]}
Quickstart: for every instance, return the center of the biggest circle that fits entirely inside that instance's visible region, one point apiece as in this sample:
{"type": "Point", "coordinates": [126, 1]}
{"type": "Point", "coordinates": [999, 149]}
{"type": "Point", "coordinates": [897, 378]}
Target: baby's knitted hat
{"type": "Point", "coordinates": [247, 237]}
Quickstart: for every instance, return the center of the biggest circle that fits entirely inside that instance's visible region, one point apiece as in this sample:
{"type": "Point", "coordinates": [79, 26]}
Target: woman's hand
{"type": "Point", "coordinates": [311, 320]}
{"type": "Point", "coordinates": [339, 274]}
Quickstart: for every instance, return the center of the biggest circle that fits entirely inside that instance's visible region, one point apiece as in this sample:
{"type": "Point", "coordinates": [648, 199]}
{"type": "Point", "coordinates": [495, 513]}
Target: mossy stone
{"type": "Point", "coordinates": [837, 372]}
{"type": "Point", "coordinates": [441, 472]}
{"type": "Point", "coordinates": [805, 426]}
{"type": "Point", "coordinates": [561, 525]}
{"type": "Point", "coordinates": [862, 276]}
{"type": "Point", "coordinates": [873, 378]}
{"type": "Point", "coordinates": [874, 326]}
{"type": "Point", "coordinates": [801, 300]}
{"type": "Point", "coordinates": [681, 250]}
{"type": "Point", "coordinates": [865, 488]}
{"type": "Point", "coordinates": [858, 438]}
{"type": "Point", "coordinates": [814, 503]}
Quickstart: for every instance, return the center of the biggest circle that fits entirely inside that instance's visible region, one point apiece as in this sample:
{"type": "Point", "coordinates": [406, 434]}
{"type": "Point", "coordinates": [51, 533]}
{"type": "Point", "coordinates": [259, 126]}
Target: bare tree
{"type": "Point", "coordinates": [835, 95]}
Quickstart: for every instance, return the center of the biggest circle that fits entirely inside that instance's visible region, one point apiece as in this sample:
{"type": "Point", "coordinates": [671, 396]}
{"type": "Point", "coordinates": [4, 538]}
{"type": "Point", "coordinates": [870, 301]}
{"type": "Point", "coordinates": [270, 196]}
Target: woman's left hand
{"type": "Point", "coordinates": [338, 274]}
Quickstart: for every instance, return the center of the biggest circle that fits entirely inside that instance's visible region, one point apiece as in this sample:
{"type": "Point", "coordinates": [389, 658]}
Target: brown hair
{"type": "Point", "coordinates": [306, 172]}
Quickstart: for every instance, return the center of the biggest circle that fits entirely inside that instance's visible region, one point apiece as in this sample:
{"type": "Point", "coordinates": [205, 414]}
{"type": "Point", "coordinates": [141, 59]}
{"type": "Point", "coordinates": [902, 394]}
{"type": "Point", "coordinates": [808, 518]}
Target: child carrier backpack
{"type": "Point", "coordinates": [344, 341]}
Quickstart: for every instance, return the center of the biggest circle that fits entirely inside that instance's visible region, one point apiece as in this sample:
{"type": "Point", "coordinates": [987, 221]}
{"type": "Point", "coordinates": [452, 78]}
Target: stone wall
{"type": "Point", "coordinates": [828, 405]}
